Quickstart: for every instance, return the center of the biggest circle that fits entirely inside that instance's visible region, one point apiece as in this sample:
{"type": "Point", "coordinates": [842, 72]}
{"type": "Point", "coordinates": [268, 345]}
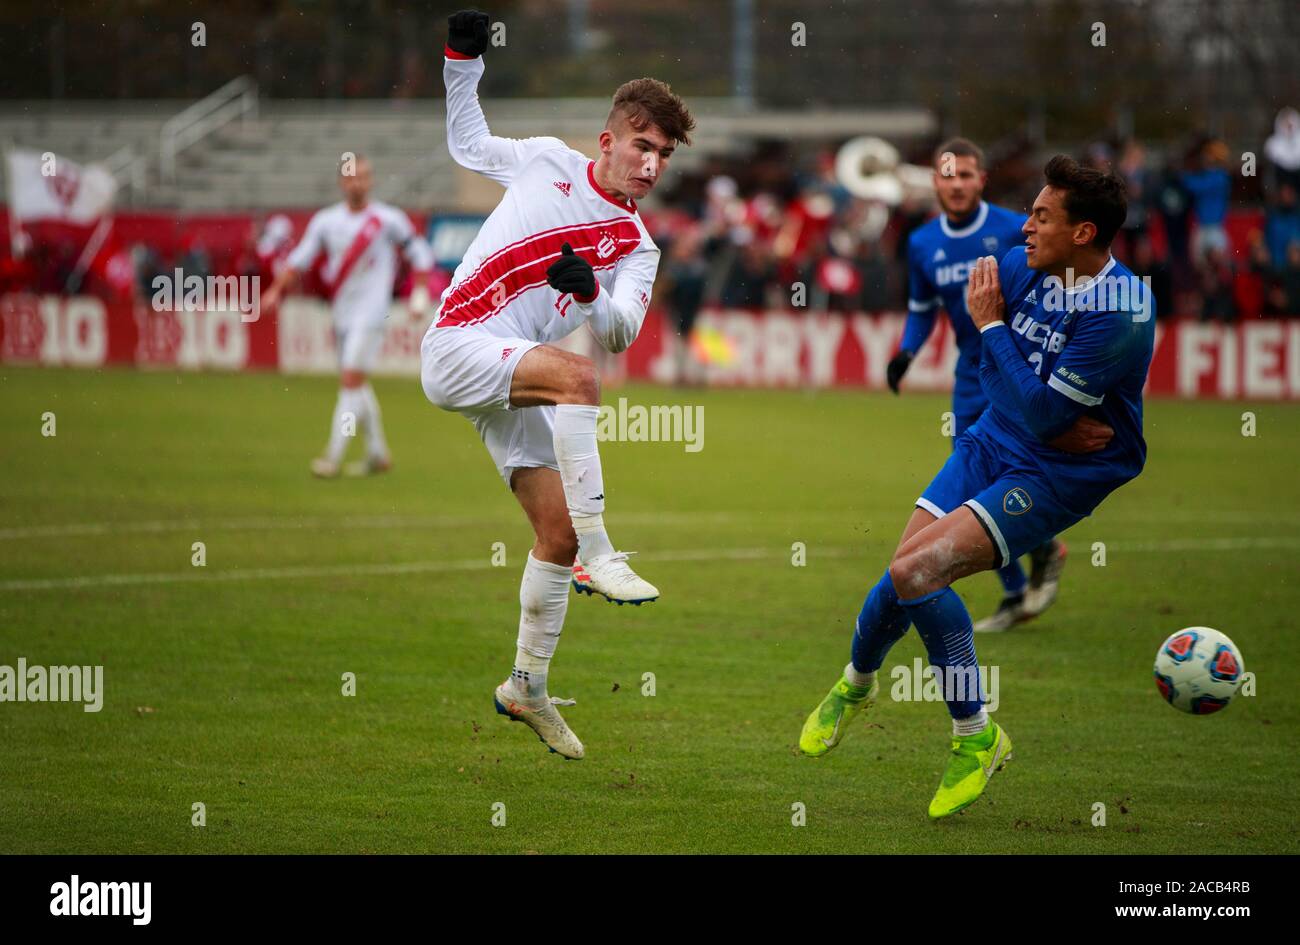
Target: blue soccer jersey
{"type": "Point", "coordinates": [939, 260]}
{"type": "Point", "coordinates": [1064, 351]}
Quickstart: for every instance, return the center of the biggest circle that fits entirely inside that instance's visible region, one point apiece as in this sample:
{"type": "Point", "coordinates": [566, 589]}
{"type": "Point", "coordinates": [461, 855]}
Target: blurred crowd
{"type": "Point", "coordinates": [126, 268]}
{"type": "Point", "coordinates": [1217, 233]}
{"type": "Point", "coordinates": [130, 263]}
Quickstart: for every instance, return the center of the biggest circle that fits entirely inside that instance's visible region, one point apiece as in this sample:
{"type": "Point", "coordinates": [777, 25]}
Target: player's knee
{"type": "Point", "coordinates": [911, 579]}
{"type": "Point", "coordinates": [901, 573]}
{"type": "Point", "coordinates": [584, 383]}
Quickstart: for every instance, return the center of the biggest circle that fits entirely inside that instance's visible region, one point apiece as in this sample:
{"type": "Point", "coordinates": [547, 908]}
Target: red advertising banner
{"type": "Point", "coordinates": [85, 331]}
{"type": "Point", "coordinates": [1251, 360]}
{"type": "Point", "coordinates": [1255, 359]}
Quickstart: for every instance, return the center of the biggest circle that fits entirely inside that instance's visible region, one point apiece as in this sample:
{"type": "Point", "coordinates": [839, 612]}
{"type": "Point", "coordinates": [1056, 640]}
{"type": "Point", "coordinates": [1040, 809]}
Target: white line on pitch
{"type": "Point", "coordinates": [197, 576]}
{"type": "Point", "coordinates": [700, 554]}
{"type": "Point", "coordinates": [1204, 544]}
{"type": "Point", "coordinates": [509, 517]}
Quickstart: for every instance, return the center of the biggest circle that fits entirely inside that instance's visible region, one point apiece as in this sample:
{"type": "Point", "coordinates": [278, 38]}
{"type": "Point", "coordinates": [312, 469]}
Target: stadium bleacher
{"type": "Point", "coordinates": [285, 154]}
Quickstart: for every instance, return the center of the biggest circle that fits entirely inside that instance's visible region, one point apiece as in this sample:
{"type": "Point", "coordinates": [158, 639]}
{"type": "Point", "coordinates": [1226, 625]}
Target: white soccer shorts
{"type": "Point", "coordinates": [359, 346]}
{"type": "Point", "coordinates": [469, 372]}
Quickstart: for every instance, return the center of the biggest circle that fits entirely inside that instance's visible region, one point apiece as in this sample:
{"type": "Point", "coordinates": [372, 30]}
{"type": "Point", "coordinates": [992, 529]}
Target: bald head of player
{"type": "Point", "coordinates": [356, 177]}
{"type": "Point", "coordinates": [959, 177]}
{"type": "Point", "coordinates": [645, 125]}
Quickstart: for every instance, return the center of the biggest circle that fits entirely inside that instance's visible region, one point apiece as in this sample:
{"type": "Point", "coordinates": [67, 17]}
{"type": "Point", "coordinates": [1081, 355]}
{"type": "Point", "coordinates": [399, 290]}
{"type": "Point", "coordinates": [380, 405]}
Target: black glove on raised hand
{"type": "Point", "coordinates": [467, 32]}
{"type": "Point", "coordinates": [896, 369]}
{"type": "Point", "coordinates": [573, 274]}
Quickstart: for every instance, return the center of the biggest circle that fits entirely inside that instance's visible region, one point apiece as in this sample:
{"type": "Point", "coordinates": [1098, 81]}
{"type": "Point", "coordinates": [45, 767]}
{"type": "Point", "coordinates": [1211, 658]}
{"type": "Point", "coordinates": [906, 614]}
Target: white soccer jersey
{"type": "Point", "coordinates": [361, 257]}
{"type": "Point", "coordinates": [551, 199]}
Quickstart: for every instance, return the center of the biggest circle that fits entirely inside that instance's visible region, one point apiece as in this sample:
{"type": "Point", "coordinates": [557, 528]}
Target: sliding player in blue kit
{"type": "Point", "coordinates": [1066, 334]}
{"type": "Point", "coordinates": [940, 256]}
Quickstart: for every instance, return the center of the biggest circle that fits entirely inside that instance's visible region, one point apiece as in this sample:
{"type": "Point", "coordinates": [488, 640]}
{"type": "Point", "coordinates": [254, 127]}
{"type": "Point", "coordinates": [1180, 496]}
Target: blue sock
{"type": "Point", "coordinates": [881, 624]}
{"type": "Point", "coordinates": [1013, 579]}
{"type": "Point", "coordinates": [944, 625]}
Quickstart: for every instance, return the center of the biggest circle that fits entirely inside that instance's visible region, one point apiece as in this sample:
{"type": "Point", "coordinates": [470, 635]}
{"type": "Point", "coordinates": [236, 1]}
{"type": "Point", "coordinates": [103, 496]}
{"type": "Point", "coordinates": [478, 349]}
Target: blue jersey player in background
{"type": "Point", "coordinates": [1066, 337]}
{"type": "Point", "coordinates": [940, 255]}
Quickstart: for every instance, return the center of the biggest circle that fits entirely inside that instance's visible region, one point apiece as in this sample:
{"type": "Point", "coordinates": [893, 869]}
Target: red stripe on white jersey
{"type": "Point", "coordinates": [455, 323]}
{"type": "Point", "coordinates": [539, 235]}
{"type": "Point", "coordinates": [360, 243]}
{"type": "Point", "coordinates": [523, 266]}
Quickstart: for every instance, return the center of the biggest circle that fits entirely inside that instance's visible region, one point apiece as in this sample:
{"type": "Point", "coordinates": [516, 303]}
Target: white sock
{"type": "Point", "coordinates": [376, 445]}
{"type": "Point", "coordinates": [856, 678]}
{"type": "Point", "coordinates": [349, 410]}
{"type": "Point", "coordinates": [578, 457]}
{"type": "Point", "coordinates": [972, 724]}
{"type": "Point", "coordinates": [543, 600]}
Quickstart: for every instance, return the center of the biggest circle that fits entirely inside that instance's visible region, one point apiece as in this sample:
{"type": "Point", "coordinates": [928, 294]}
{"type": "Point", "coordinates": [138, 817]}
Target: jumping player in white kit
{"type": "Point", "coordinates": [564, 248]}
{"type": "Point", "coordinates": [360, 238]}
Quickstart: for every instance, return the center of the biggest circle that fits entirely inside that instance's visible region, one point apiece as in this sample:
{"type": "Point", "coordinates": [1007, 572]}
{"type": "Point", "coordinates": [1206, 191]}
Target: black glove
{"type": "Point", "coordinates": [572, 273]}
{"type": "Point", "coordinates": [896, 369]}
{"type": "Point", "coordinates": [467, 32]}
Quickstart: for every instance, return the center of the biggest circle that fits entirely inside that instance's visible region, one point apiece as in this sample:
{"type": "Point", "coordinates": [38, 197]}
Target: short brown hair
{"type": "Point", "coordinates": [1091, 196]}
{"type": "Point", "coordinates": [960, 147]}
{"type": "Point", "coordinates": [645, 102]}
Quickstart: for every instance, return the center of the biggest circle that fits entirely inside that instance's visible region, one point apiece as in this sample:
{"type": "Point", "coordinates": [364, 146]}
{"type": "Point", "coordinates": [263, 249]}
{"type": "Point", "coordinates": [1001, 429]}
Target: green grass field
{"type": "Point", "coordinates": [223, 683]}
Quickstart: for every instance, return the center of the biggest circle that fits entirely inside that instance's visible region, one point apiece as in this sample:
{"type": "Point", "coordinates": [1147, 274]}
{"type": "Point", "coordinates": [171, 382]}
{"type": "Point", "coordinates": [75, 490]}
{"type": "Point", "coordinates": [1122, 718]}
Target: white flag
{"type": "Point", "coordinates": [44, 186]}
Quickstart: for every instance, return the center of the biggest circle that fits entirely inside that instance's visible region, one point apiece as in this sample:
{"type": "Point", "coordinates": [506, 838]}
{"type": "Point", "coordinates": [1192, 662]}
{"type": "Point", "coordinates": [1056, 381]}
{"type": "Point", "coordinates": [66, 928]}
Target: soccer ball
{"type": "Point", "coordinates": [1198, 670]}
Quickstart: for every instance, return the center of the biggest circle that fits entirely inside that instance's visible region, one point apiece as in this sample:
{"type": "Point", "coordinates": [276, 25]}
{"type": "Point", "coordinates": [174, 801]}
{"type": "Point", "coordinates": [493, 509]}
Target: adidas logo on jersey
{"type": "Point", "coordinates": [506, 353]}
{"type": "Point", "coordinates": [1032, 297]}
{"type": "Point", "coordinates": [563, 186]}
{"type": "Point", "coordinates": [939, 256]}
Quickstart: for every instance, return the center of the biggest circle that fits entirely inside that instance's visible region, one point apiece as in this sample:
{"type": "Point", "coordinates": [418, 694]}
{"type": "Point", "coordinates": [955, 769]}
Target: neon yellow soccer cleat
{"type": "Point", "coordinates": [973, 761]}
{"type": "Point", "coordinates": [830, 720]}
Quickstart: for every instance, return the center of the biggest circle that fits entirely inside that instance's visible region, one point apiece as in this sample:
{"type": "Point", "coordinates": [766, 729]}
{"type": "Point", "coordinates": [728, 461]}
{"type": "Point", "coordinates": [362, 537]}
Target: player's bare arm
{"type": "Point", "coordinates": [286, 280]}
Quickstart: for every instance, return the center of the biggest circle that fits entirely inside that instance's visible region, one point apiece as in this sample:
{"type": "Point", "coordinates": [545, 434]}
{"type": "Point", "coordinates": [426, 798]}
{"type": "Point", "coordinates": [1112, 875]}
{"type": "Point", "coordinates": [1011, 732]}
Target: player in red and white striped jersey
{"type": "Point", "coordinates": [360, 239]}
{"type": "Point", "coordinates": [564, 248]}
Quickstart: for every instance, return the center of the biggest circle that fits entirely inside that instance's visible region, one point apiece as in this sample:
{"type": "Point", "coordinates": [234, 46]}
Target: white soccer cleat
{"type": "Point", "coordinates": [1045, 577]}
{"type": "Point", "coordinates": [611, 578]}
{"type": "Point", "coordinates": [1009, 613]}
{"type": "Point", "coordinates": [323, 468]}
{"type": "Point", "coordinates": [544, 719]}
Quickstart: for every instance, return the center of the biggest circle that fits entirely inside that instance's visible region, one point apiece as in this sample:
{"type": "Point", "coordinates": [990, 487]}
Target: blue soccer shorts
{"type": "Point", "coordinates": [1013, 499]}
